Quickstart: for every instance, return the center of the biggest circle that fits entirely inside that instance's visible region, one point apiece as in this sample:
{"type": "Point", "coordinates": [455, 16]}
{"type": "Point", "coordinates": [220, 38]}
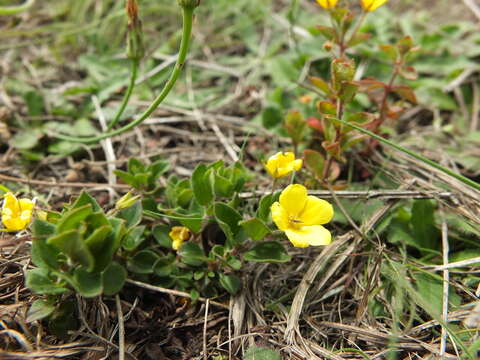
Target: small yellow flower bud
{"type": "Point", "coordinates": [179, 234]}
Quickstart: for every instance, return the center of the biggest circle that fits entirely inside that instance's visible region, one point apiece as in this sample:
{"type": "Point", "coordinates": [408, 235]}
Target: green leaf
{"type": "Point", "coordinates": [223, 187]}
{"type": "Point", "coordinates": [42, 229]}
{"type": "Point", "coordinates": [25, 140]}
{"type": "Point", "coordinates": [158, 168]}
{"type": "Point", "coordinates": [201, 186]}
{"type": "Point", "coordinates": [320, 84]}
{"type": "Point", "coordinates": [431, 290]}
{"type": "Point", "coordinates": [327, 32]}
{"type": "Point", "coordinates": [423, 224]}
{"type": "Point", "coordinates": [71, 219]}
{"type": "Point", "coordinates": [34, 102]}
{"type": "Point", "coordinates": [358, 38]}
{"type": "Point", "coordinates": [40, 309]}
{"type": "Point", "coordinates": [261, 353]}
{"type": "Point", "coordinates": [255, 228]}
{"type": "Point", "coordinates": [134, 238]}
{"type": "Point", "coordinates": [269, 251]}
{"type": "Point", "coordinates": [230, 283]}
{"type": "Point", "coordinates": [315, 162]}
{"type": "Point", "coordinates": [192, 254]}
{"type": "Point", "coordinates": [135, 166]}
{"type": "Point", "coordinates": [113, 278]}
{"type": "Point", "coordinates": [194, 223]}
{"type": "Point", "coordinates": [271, 117]}
{"type": "Point", "coordinates": [40, 282]}
{"type": "Point", "coordinates": [44, 255]}
{"type": "Point", "coordinates": [160, 233]}
{"type": "Point", "coordinates": [72, 245]}
{"type": "Point", "coordinates": [96, 240]}
{"type": "Point", "coordinates": [143, 262]}
{"type": "Point", "coordinates": [132, 215]}
{"type": "Point", "coordinates": [263, 211]}
{"type": "Point", "coordinates": [127, 178]}
{"type": "Point", "coordinates": [88, 284]}
{"type": "Point", "coordinates": [165, 266]}
{"type": "Point", "coordinates": [85, 199]}
{"type": "Point", "coordinates": [234, 263]}
{"type": "Point", "coordinates": [228, 219]}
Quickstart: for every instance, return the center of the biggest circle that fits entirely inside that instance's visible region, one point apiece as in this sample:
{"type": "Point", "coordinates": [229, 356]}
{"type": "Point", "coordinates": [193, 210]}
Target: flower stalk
{"type": "Point", "coordinates": [177, 70]}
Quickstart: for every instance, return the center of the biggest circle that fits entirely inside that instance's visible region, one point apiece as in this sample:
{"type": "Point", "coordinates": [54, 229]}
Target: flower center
{"type": "Point", "coordinates": [295, 223]}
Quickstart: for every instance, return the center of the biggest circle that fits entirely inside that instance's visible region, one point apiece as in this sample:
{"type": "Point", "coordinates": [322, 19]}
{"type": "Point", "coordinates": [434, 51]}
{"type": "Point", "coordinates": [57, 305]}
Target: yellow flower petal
{"type": "Point", "coordinates": [327, 4]}
{"type": "Point", "coordinates": [309, 236]}
{"type": "Point", "coordinates": [26, 204]}
{"type": "Point", "coordinates": [279, 216]}
{"type": "Point", "coordinates": [10, 202]}
{"type": "Point", "coordinates": [293, 199]}
{"type": "Point", "coordinates": [372, 5]}
{"type": "Point", "coordinates": [176, 244]}
{"type": "Point", "coordinates": [316, 212]}
{"type": "Point", "coordinates": [14, 223]}
{"type": "Point", "coordinates": [297, 164]}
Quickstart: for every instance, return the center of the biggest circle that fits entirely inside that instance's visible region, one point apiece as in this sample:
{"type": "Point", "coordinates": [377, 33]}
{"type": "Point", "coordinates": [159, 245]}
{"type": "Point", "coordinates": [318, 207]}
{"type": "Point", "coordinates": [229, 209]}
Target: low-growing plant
{"type": "Point", "coordinates": [329, 141]}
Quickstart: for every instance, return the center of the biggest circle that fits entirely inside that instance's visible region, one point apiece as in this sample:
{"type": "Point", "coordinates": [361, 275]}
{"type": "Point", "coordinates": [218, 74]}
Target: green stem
{"type": "Point", "coordinates": [11, 10]}
{"type": "Point", "coordinates": [126, 97]}
{"type": "Point", "coordinates": [443, 169]}
{"type": "Point", "coordinates": [182, 55]}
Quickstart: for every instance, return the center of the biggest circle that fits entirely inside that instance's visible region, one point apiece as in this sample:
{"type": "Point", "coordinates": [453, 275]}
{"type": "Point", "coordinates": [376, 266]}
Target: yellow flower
{"type": "Point", "coordinates": [179, 234]}
{"type": "Point", "coordinates": [282, 164]}
{"type": "Point", "coordinates": [372, 5]}
{"type": "Point", "coordinates": [301, 217]}
{"type": "Point", "coordinates": [16, 214]}
{"type": "Point", "coordinates": [327, 4]}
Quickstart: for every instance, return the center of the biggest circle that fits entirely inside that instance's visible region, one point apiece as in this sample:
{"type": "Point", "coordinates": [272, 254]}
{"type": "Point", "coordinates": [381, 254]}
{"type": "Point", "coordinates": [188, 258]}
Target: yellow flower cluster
{"type": "Point", "coordinates": [16, 214]}
{"type": "Point", "coordinates": [179, 234]}
{"type": "Point", "coordinates": [301, 217]}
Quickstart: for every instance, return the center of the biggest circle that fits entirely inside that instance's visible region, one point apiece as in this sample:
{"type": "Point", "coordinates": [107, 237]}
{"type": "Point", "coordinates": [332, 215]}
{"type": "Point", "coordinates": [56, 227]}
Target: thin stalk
{"type": "Point", "coordinates": [11, 10]}
{"type": "Point", "coordinates": [423, 159]}
{"type": "Point", "coordinates": [338, 135]}
{"type": "Point", "coordinates": [126, 97]}
{"type": "Point", "coordinates": [358, 25]}
{"type": "Point", "coordinates": [182, 55]}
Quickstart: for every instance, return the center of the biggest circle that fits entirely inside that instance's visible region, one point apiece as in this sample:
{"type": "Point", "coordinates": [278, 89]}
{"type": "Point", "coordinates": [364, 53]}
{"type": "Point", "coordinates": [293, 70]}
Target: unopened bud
{"type": "Point", "coordinates": [135, 47]}
{"type": "Point", "coordinates": [132, 10]}
{"type": "Point", "coordinates": [189, 3]}
{"type": "Point", "coordinates": [328, 46]}
{"type": "Point", "coordinates": [126, 201]}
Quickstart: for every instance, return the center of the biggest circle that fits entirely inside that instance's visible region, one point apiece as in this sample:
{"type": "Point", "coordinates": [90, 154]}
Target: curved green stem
{"type": "Point", "coordinates": [11, 10]}
{"type": "Point", "coordinates": [182, 55]}
{"type": "Point", "coordinates": [126, 97]}
{"type": "Point", "coordinates": [443, 169]}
